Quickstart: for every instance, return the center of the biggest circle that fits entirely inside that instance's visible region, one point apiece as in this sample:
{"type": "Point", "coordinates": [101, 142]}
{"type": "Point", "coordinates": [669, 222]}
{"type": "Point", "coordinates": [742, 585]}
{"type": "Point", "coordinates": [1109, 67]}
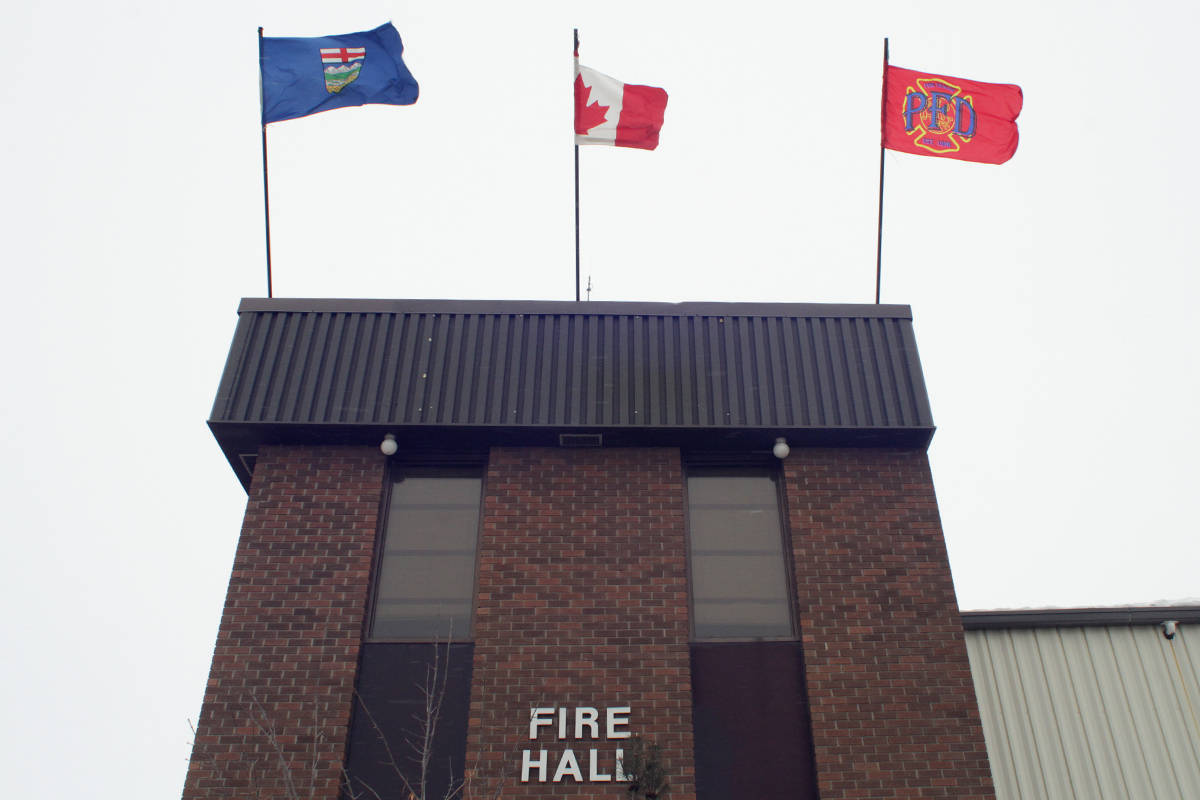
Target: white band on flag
{"type": "Point", "coordinates": [607, 92]}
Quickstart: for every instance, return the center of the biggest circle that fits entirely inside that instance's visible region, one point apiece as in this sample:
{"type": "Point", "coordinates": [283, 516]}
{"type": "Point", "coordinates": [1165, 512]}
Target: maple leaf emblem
{"type": "Point", "coordinates": [587, 116]}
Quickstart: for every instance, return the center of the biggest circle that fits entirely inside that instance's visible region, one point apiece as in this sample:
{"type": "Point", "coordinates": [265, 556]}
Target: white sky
{"type": "Point", "coordinates": [1052, 296]}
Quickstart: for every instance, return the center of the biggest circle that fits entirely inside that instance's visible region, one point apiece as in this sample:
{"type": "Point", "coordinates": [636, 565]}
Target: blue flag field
{"type": "Point", "coordinates": [302, 76]}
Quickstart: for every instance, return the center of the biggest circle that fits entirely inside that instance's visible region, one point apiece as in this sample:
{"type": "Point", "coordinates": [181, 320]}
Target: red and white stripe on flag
{"type": "Point", "coordinates": [610, 112]}
{"type": "Point", "coordinates": [341, 55]}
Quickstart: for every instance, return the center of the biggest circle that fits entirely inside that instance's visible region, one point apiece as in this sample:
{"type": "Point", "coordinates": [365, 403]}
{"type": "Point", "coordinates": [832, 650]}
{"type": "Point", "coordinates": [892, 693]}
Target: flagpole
{"type": "Point", "coordinates": [576, 51]}
{"type": "Point", "coordinates": [266, 192]}
{"type": "Point", "coordinates": [882, 150]}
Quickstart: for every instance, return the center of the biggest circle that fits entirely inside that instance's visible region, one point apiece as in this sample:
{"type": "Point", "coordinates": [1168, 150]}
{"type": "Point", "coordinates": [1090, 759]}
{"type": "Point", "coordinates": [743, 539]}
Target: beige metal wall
{"type": "Point", "coordinates": [1093, 713]}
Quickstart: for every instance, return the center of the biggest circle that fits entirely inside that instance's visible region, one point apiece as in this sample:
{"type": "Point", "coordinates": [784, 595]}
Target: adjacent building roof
{"type": "Point", "coordinates": [1088, 704]}
{"type": "Point", "coordinates": [490, 371]}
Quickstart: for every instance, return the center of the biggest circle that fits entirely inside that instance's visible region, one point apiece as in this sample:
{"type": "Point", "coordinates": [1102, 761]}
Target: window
{"type": "Point", "coordinates": [426, 582]}
{"type": "Point", "coordinates": [738, 569]}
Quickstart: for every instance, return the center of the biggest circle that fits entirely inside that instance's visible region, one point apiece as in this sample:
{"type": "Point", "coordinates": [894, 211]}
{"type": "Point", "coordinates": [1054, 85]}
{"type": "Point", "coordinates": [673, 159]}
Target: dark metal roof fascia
{"type": "Point", "coordinates": [734, 375]}
{"type": "Point", "coordinates": [1078, 617]}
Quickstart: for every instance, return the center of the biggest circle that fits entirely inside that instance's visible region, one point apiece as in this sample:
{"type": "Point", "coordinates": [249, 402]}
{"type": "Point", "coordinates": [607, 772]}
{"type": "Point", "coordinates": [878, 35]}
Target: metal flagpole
{"type": "Point", "coordinates": [576, 51]}
{"type": "Point", "coordinates": [266, 193]}
{"type": "Point", "coordinates": [882, 150]}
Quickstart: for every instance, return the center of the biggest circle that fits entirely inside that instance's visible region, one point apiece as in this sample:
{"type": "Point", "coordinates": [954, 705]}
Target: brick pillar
{"type": "Point", "coordinates": [582, 602]}
{"type": "Point", "coordinates": [288, 644]}
{"type": "Point", "coordinates": [893, 706]}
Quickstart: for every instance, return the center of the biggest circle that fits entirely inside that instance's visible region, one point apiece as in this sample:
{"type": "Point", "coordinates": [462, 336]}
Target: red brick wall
{"type": "Point", "coordinates": [893, 705]}
{"type": "Point", "coordinates": [288, 644]}
{"type": "Point", "coordinates": [582, 602]}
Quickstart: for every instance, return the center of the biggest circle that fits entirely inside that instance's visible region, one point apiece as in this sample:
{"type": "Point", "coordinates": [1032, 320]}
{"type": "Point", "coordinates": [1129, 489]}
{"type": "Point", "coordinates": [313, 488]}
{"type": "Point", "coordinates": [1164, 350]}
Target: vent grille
{"type": "Point", "coordinates": [581, 440]}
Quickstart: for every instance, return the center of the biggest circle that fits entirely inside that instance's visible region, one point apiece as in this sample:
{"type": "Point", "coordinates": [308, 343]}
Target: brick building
{"type": "Point", "coordinates": [706, 526]}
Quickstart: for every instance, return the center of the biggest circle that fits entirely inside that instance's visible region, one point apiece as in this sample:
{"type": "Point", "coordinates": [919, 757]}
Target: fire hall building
{"type": "Point", "coordinates": [699, 539]}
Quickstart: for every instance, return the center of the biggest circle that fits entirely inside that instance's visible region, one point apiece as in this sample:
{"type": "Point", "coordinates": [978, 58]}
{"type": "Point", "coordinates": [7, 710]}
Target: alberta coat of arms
{"type": "Point", "coordinates": [342, 66]}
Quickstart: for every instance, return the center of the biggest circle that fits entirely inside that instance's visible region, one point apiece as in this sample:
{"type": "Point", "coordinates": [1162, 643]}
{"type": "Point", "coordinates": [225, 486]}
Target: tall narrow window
{"type": "Point", "coordinates": [739, 573]}
{"type": "Point", "coordinates": [426, 579]}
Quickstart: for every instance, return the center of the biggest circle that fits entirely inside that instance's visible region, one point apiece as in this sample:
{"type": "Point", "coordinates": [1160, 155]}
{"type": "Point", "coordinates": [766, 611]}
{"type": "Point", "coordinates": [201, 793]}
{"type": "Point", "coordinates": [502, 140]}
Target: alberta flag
{"type": "Point", "coordinates": [307, 76]}
{"type": "Point", "coordinates": [610, 112]}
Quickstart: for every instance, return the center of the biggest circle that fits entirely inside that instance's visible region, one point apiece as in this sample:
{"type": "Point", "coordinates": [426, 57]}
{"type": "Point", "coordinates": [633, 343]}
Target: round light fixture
{"type": "Point", "coordinates": [781, 449]}
{"type": "Point", "coordinates": [388, 446]}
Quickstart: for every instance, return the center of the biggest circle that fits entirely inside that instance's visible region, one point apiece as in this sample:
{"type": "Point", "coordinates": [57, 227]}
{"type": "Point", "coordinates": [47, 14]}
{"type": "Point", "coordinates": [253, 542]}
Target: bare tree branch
{"type": "Point", "coordinates": [387, 747]}
{"type": "Point", "coordinates": [421, 741]}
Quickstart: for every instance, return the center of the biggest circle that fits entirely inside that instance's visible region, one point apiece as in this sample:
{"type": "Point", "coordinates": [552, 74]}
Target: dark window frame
{"type": "Point", "coordinates": [694, 464]}
{"type": "Point", "coordinates": [396, 468]}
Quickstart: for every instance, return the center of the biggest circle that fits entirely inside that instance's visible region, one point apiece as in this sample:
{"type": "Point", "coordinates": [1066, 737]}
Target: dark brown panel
{"type": "Point", "coordinates": [390, 704]}
{"type": "Point", "coordinates": [750, 719]}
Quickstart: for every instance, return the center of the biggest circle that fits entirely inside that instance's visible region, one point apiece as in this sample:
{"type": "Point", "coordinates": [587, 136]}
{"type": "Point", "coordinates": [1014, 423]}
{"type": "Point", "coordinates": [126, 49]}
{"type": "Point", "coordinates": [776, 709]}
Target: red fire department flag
{"type": "Point", "coordinates": [610, 112]}
{"type": "Point", "coordinates": [936, 115]}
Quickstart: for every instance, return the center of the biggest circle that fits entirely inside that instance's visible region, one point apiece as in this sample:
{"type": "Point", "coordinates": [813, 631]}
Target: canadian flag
{"type": "Point", "coordinates": [614, 113]}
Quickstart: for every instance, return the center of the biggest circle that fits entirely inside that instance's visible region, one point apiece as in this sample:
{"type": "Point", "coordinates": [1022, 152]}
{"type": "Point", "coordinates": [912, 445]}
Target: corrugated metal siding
{"type": "Point", "coordinates": [442, 366]}
{"type": "Point", "coordinates": [1097, 713]}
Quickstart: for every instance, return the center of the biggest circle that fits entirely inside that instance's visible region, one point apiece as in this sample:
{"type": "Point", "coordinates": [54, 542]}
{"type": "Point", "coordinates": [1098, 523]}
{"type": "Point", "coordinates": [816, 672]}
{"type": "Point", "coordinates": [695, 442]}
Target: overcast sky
{"type": "Point", "coordinates": [1053, 296]}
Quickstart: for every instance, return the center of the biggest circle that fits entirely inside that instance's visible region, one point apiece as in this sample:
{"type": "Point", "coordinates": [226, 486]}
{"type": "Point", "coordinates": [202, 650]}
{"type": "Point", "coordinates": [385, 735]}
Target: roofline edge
{"type": "Point", "coordinates": [616, 308]}
{"type": "Point", "coordinates": [1078, 617]}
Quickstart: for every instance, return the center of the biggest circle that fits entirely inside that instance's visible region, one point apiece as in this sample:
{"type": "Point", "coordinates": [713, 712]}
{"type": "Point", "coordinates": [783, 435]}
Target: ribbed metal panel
{"type": "Point", "coordinates": [1093, 713]}
{"type": "Point", "coordinates": [447, 363]}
